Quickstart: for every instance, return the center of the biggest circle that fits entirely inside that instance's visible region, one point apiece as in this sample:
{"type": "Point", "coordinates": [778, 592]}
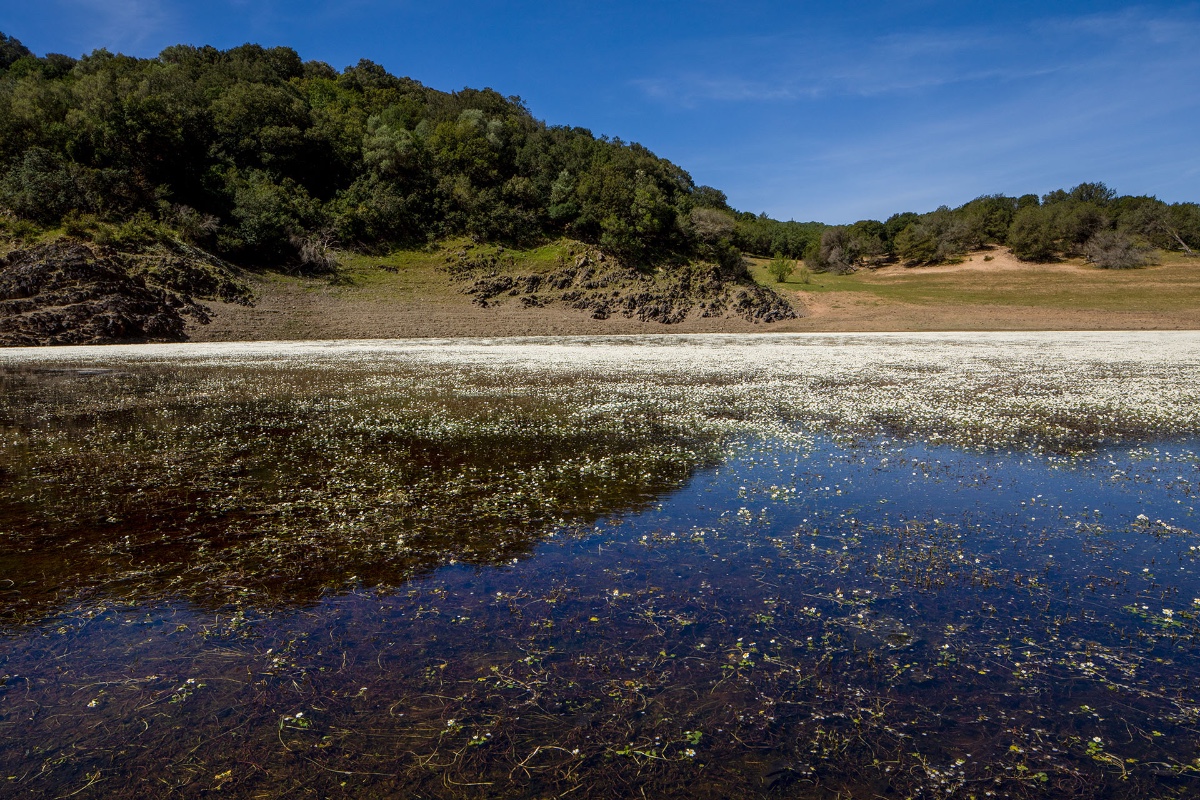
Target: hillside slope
{"type": "Point", "coordinates": [288, 194]}
{"type": "Point", "coordinates": [409, 294]}
{"type": "Point", "coordinates": [66, 291]}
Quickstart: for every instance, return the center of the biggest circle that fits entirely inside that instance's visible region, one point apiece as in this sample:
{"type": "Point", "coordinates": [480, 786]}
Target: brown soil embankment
{"type": "Point", "coordinates": [384, 300]}
{"type": "Point", "coordinates": [61, 294]}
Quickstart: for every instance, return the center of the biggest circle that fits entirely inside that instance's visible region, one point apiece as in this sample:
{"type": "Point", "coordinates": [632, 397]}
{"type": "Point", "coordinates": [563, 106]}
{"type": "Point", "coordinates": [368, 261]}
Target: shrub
{"type": "Point", "coordinates": [140, 229]}
{"type": "Point", "coordinates": [194, 226]}
{"type": "Point", "coordinates": [79, 225]}
{"type": "Point", "coordinates": [781, 268]}
{"type": "Point", "coordinates": [711, 225]}
{"type": "Point", "coordinates": [316, 252]}
{"type": "Point", "coordinates": [16, 229]}
{"type": "Point", "coordinates": [1115, 250]}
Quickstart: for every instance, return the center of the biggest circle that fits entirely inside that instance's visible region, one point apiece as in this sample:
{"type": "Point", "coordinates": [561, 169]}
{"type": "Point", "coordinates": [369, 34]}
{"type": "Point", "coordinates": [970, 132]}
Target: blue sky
{"type": "Point", "coordinates": [826, 111]}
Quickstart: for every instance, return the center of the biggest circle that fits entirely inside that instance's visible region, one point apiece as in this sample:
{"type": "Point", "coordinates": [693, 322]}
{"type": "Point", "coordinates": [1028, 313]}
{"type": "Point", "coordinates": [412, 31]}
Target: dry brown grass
{"type": "Point", "coordinates": [409, 294]}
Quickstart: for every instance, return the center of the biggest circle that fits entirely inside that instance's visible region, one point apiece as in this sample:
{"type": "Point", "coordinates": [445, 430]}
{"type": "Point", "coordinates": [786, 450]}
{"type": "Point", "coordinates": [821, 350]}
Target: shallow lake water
{"type": "Point", "coordinates": [792, 566]}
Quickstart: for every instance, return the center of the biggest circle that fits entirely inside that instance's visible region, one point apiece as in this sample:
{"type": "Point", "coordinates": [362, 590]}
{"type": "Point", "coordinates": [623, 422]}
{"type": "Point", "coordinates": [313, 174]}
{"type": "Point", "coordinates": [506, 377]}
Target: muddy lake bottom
{"type": "Point", "coordinates": [484, 573]}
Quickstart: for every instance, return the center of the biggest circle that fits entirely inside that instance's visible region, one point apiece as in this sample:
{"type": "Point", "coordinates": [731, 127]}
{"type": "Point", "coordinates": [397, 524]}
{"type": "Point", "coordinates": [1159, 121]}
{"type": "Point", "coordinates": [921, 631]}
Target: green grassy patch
{"type": "Point", "coordinates": [1173, 285]}
{"type": "Point", "coordinates": [422, 272]}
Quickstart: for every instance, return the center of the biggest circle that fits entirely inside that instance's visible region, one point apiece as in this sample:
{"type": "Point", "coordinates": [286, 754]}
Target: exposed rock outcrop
{"type": "Point", "coordinates": [68, 292]}
{"type": "Point", "coordinates": [598, 284]}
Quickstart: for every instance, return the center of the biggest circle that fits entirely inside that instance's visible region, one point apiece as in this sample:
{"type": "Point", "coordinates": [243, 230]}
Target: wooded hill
{"type": "Point", "coordinates": [265, 159]}
{"type": "Point", "coordinates": [268, 159]}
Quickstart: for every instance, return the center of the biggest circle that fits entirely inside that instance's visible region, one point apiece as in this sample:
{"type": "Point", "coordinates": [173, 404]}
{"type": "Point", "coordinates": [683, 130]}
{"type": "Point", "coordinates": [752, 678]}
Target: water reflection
{"type": "Point", "coordinates": [208, 485]}
{"type": "Point", "coordinates": [808, 616]}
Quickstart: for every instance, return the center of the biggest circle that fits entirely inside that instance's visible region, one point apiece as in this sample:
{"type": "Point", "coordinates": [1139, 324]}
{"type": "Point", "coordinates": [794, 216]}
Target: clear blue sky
{"type": "Point", "coordinates": [827, 111]}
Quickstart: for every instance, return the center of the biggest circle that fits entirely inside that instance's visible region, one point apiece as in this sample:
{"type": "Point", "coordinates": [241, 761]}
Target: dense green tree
{"type": "Point", "coordinates": [41, 186]}
{"type": "Point", "coordinates": [1175, 227]}
{"type": "Point", "coordinates": [276, 149]}
{"type": "Point", "coordinates": [940, 235]}
{"type": "Point", "coordinates": [761, 235]}
{"type": "Point", "coordinates": [1182, 226]}
{"type": "Point", "coordinates": [869, 240]}
{"type": "Point", "coordinates": [1026, 200]}
{"type": "Point", "coordinates": [1061, 223]}
{"type": "Point", "coordinates": [11, 51]}
{"type": "Point", "coordinates": [837, 252]}
{"type": "Point", "coordinates": [1094, 193]}
{"type": "Point", "coordinates": [1077, 222]}
{"type": "Point", "coordinates": [1033, 235]}
{"type": "Point", "coordinates": [988, 218]}
{"type": "Point", "coordinates": [708, 197]}
{"type": "Point", "coordinates": [563, 206]}
{"type": "Point", "coordinates": [271, 215]}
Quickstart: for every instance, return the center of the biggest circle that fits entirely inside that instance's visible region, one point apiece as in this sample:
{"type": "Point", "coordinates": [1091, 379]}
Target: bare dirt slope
{"type": "Point", "coordinates": [312, 309]}
{"type": "Point", "coordinates": [989, 291]}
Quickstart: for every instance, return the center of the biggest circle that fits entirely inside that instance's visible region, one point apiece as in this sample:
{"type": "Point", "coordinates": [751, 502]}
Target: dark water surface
{"type": "Point", "coordinates": [283, 596]}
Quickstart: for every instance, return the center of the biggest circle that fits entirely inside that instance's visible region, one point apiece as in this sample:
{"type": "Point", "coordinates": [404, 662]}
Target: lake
{"type": "Point", "coordinates": [804, 566]}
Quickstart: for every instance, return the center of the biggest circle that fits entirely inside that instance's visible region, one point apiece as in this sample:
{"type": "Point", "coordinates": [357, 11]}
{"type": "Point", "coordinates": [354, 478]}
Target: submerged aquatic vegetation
{"type": "Point", "coordinates": [210, 485]}
{"type": "Point", "coordinates": [790, 566]}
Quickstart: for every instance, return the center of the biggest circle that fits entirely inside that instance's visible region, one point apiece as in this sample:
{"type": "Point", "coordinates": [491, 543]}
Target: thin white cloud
{"type": "Point", "coordinates": [121, 24]}
{"type": "Point", "coordinates": [783, 69]}
{"type": "Point", "coordinates": [1124, 127]}
{"type": "Point", "coordinates": [1055, 102]}
{"type": "Point", "coordinates": [688, 90]}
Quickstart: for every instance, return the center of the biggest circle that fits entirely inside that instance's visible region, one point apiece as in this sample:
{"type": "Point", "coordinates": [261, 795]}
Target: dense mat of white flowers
{"type": "Point", "coordinates": [978, 389]}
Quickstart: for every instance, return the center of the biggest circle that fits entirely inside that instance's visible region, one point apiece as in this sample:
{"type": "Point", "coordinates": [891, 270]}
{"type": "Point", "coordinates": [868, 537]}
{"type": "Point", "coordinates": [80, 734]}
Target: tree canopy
{"type": "Point", "coordinates": [271, 150]}
{"type": "Point", "coordinates": [1089, 220]}
{"type": "Point", "coordinates": [263, 157]}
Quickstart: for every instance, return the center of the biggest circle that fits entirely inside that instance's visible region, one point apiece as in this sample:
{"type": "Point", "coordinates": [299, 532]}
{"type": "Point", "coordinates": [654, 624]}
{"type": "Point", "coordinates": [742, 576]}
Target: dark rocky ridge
{"type": "Point", "coordinates": [600, 285]}
{"type": "Point", "coordinates": [68, 292]}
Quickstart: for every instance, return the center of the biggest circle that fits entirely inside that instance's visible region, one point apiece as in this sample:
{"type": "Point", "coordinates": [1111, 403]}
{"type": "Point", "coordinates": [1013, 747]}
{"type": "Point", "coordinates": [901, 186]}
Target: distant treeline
{"type": "Point", "coordinates": [265, 158]}
{"type": "Point", "coordinates": [1089, 220]}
